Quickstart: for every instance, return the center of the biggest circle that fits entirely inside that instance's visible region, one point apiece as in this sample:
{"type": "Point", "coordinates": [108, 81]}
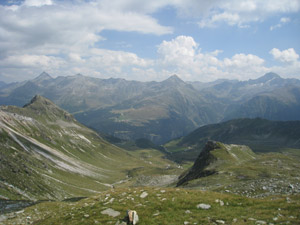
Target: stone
{"type": "Point", "coordinates": [110, 212]}
{"type": "Point", "coordinates": [220, 221]}
{"type": "Point", "coordinates": [187, 211]}
{"type": "Point", "coordinates": [260, 222]}
{"type": "Point", "coordinates": [186, 222]}
{"type": "Point", "coordinates": [156, 214]}
{"type": "Point", "coordinates": [144, 195]}
{"type": "Point", "coordinates": [132, 217]}
{"type": "Point", "coordinates": [203, 206]}
{"type": "Point", "coordinates": [86, 215]}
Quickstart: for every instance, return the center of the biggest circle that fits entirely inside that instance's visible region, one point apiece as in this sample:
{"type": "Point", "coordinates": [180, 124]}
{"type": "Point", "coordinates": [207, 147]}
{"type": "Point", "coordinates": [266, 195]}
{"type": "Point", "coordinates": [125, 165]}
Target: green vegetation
{"type": "Point", "coordinates": [166, 206]}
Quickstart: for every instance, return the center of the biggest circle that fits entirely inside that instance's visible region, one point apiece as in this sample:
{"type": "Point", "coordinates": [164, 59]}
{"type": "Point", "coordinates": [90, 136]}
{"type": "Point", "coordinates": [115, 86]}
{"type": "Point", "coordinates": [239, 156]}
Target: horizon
{"type": "Point", "coordinates": [149, 41]}
{"type": "Point", "coordinates": [174, 75]}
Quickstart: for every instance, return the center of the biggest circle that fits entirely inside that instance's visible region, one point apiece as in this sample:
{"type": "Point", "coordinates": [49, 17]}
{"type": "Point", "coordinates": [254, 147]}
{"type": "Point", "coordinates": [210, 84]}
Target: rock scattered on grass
{"type": "Point", "coordinates": [260, 222]}
{"type": "Point", "coordinates": [144, 195]}
{"type": "Point", "coordinates": [203, 206]}
{"type": "Point", "coordinates": [220, 221]}
{"type": "Point", "coordinates": [110, 212]}
{"type": "Point", "coordinates": [220, 202]}
{"type": "Point", "coordinates": [156, 214]}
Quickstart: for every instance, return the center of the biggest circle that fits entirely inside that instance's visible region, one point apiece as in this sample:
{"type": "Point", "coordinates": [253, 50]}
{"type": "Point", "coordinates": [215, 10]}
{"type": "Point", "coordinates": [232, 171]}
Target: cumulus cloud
{"type": "Point", "coordinates": [287, 56]}
{"type": "Point", "coordinates": [183, 56]}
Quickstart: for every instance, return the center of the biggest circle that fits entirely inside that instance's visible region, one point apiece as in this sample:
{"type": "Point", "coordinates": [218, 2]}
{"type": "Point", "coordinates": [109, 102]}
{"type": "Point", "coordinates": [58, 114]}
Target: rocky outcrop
{"type": "Point", "coordinates": [202, 162]}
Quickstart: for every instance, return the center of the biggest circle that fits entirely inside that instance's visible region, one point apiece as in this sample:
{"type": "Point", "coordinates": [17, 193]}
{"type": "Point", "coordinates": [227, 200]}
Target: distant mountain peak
{"type": "Point", "coordinates": [268, 77]}
{"type": "Point", "coordinates": [42, 77]}
{"type": "Point", "coordinates": [174, 79]}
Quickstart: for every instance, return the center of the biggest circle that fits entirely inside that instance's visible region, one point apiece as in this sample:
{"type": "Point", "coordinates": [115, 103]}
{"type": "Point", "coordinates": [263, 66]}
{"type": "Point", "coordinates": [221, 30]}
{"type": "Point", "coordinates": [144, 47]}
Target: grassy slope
{"type": "Point", "coordinates": [169, 207]}
{"type": "Point", "coordinates": [63, 158]}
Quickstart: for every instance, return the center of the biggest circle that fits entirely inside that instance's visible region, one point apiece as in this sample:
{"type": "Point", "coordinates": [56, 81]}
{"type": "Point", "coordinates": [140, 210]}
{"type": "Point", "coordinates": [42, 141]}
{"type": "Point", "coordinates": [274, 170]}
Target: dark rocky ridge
{"type": "Point", "coordinates": [204, 159]}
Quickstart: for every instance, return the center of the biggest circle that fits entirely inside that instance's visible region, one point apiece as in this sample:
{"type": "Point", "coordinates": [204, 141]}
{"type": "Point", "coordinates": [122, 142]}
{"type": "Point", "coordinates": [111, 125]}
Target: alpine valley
{"type": "Point", "coordinates": [82, 150]}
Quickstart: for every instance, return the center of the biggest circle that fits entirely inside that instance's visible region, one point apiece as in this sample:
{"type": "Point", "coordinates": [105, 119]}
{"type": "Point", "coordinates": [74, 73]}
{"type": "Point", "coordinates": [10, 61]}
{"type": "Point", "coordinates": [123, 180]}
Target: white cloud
{"type": "Point", "coordinates": [229, 18]}
{"type": "Point", "coordinates": [37, 3]}
{"type": "Point", "coordinates": [288, 55]}
{"type": "Point", "coordinates": [183, 56]}
{"type": "Point", "coordinates": [179, 50]}
{"type": "Point", "coordinates": [242, 13]}
{"type": "Point", "coordinates": [31, 61]}
{"type": "Point", "coordinates": [62, 26]}
{"type": "Point", "coordinates": [283, 21]}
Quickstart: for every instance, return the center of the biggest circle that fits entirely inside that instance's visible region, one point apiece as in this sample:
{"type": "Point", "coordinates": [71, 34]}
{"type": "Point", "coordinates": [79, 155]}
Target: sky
{"type": "Point", "coordinates": [198, 40]}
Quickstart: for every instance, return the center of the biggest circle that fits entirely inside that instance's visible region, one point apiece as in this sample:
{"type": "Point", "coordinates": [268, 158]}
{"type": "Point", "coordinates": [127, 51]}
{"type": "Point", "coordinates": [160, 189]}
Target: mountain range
{"type": "Point", "coordinates": [160, 111]}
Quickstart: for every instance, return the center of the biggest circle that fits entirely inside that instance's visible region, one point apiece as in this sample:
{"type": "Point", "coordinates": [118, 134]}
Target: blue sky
{"type": "Point", "coordinates": [149, 40]}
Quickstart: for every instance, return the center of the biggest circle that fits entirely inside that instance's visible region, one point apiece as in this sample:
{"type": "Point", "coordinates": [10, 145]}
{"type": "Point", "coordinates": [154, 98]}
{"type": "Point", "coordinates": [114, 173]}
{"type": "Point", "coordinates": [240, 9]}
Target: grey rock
{"type": "Point", "coordinates": [144, 195]}
{"type": "Point", "coordinates": [203, 206]}
{"type": "Point", "coordinates": [260, 222]}
{"type": "Point", "coordinates": [110, 212]}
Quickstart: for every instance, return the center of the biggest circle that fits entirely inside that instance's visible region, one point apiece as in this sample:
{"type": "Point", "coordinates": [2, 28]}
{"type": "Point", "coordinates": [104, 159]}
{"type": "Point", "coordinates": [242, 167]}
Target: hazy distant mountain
{"type": "Point", "coordinates": [280, 104]}
{"type": "Point", "coordinates": [163, 110]}
{"type": "Point", "coordinates": [128, 109]}
{"type": "Point", "coordinates": [160, 111]}
{"type": "Point", "coordinates": [238, 91]}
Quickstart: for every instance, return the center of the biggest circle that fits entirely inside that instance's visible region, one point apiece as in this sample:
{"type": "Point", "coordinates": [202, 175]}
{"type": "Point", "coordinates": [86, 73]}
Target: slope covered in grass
{"type": "Point", "coordinates": [47, 154]}
{"type": "Point", "coordinates": [165, 206]}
